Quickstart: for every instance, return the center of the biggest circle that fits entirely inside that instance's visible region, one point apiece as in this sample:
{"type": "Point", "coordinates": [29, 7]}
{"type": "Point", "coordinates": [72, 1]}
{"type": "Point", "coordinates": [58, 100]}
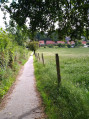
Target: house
{"type": "Point", "coordinates": [41, 42]}
{"type": "Point", "coordinates": [84, 42]}
{"type": "Point", "coordinates": [68, 42]}
{"type": "Point", "coordinates": [50, 42]}
{"type": "Point", "coordinates": [72, 42]}
{"type": "Point", "coordinates": [62, 42]}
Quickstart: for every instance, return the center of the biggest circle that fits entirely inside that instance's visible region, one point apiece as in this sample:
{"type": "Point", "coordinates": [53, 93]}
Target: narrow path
{"type": "Point", "coordinates": [23, 102]}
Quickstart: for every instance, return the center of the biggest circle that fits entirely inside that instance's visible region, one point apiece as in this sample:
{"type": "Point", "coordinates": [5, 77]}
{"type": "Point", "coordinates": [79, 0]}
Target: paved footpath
{"type": "Point", "coordinates": [23, 102]}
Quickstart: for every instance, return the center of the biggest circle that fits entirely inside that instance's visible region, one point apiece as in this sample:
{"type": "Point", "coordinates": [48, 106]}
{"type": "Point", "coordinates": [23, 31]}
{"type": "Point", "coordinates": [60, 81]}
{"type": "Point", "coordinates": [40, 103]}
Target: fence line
{"type": "Point", "coordinates": [43, 59]}
{"type": "Point", "coordinates": [37, 55]}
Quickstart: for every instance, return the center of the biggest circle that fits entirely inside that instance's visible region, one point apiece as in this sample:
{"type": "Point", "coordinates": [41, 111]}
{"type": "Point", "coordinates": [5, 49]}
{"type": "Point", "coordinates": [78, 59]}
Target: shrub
{"type": "Point", "coordinates": [61, 45]}
{"type": "Point", "coordinates": [78, 44]}
{"type": "Point", "coordinates": [42, 45]}
{"type": "Point", "coordinates": [87, 43]}
{"type": "Point", "coordinates": [33, 46]}
{"type": "Point", "coordinates": [50, 45]}
{"type": "Point", "coordinates": [68, 45]}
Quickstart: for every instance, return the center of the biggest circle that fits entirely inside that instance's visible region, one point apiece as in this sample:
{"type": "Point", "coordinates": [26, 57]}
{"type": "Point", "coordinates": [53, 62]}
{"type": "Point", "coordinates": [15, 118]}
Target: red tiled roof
{"type": "Point", "coordinates": [50, 42]}
{"type": "Point", "coordinates": [72, 42]}
{"type": "Point", "coordinates": [41, 42]}
{"type": "Point", "coordinates": [83, 42]}
{"type": "Point", "coordinates": [62, 42]}
{"type": "Point", "coordinates": [68, 42]}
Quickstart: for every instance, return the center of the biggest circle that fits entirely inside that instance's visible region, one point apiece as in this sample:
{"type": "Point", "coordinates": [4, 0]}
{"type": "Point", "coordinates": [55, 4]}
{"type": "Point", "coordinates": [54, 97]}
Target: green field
{"type": "Point", "coordinates": [71, 99]}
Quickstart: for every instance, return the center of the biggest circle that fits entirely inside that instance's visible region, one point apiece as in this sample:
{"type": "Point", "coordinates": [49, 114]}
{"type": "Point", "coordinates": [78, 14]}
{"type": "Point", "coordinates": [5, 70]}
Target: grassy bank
{"type": "Point", "coordinates": [71, 99]}
{"type": "Point", "coordinates": [8, 74]}
{"type": "Point", "coordinates": [12, 57]}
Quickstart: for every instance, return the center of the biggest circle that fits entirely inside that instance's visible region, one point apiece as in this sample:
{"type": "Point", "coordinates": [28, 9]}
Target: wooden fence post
{"type": "Point", "coordinates": [35, 54]}
{"type": "Point", "coordinates": [42, 58]}
{"type": "Point", "coordinates": [38, 56]}
{"type": "Point", "coordinates": [58, 69]}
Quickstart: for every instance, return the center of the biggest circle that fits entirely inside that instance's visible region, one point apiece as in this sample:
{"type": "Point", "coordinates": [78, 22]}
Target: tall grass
{"type": "Point", "coordinates": [71, 99]}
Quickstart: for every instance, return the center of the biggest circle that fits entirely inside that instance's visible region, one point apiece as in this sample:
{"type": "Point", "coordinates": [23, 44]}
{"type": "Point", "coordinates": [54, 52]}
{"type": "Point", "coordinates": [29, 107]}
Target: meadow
{"type": "Point", "coordinates": [71, 99]}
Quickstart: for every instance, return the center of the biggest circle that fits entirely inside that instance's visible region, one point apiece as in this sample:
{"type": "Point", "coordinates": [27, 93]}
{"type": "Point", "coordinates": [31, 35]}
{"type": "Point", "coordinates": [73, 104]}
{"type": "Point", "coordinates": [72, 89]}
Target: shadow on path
{"type": "Point", "coordinates": [28, 113]}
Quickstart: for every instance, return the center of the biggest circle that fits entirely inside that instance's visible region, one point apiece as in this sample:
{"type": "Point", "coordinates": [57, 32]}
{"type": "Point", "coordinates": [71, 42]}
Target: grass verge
{"type": "Point", "coordinates": [9, 74]}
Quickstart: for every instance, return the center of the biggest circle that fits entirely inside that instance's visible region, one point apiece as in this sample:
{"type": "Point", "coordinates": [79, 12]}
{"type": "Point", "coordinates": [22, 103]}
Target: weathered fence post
{"type": "Point", "coordinates": [38, 56]}
{"type": "Point", "coordinates": [58, 69]}
{"type": "Point", "coordinates": [35, 54]}
{"type": "Point", "coordinates": [42, 58]}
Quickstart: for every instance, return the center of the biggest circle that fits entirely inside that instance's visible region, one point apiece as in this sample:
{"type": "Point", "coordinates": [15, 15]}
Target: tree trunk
{"type": "Point", "coordinates": [34, 52]}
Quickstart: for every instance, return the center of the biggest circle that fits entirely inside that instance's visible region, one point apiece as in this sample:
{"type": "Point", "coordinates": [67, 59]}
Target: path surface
{"type": "Point", "coordinates": [23, 102]}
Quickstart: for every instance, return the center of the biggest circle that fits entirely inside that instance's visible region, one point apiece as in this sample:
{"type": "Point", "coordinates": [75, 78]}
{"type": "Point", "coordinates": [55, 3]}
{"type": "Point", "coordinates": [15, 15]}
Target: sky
{"type": "Point", "coordinates": [1, 20]}
{"type": "Point", "coordinates": [1, 17]}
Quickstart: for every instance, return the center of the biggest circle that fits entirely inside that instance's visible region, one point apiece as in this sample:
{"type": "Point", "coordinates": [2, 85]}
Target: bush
{"type": "Point", "coordinates": [68, 45]}
{"type": "Point", "coordinates": [50, 45]}
{"type": "Point", "coordinates": [78, 44]}
{"type": "Point", "coordinates": [87, 43]}
{"type": "Point", "coordinates": [61, 45]}
{"type": "Point", "coordinates": [42, 45]}
{"type": "Point", "coordinates": [33, 46]}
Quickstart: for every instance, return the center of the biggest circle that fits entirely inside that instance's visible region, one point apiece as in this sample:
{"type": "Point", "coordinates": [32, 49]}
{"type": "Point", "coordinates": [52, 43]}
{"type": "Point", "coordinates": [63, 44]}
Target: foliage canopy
{"type": "Point", "coordinates": [72, 15]}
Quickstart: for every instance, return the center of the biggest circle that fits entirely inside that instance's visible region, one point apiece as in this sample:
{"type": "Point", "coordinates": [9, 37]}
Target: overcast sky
{"type": "Point", "coordinates": [1, 17]}
{"type": "Point", "coordinates": [1, 20]}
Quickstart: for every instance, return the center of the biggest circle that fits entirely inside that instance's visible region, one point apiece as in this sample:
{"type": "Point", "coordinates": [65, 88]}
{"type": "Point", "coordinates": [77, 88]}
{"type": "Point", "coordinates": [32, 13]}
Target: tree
{"type": "Point", "coordinates": [2, 1]}
{"type": "Point", "coordinates": [20, 34]}
{"type": "Point", "coordinates": [71, 15]}
{"type": "Point", "coordinates": [33, 46]}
